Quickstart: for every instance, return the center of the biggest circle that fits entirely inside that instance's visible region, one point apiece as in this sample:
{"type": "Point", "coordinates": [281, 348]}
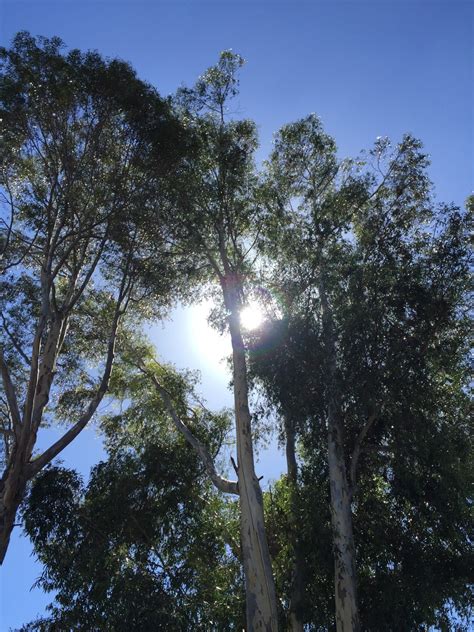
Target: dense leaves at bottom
{"type": "Point", "coordinates": [140, 548]}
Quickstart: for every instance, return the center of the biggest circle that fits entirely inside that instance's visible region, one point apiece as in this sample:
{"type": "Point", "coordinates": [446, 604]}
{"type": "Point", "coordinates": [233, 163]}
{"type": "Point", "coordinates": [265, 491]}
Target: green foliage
{"type": "Point", "coordinates": [146, 544]}
{"type": "Point", "coordinates": [395, 270]}
{"type": "Point", "coordinates": [85, 145]}
{"type": "Point", "coordinates": [172, 199]}
{"type": "Point", "coordinates": [216, 187]}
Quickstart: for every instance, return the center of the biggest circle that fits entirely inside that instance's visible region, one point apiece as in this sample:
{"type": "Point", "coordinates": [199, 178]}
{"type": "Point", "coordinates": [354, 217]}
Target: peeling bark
{"type": "Point", "coordinates": [347, 615]}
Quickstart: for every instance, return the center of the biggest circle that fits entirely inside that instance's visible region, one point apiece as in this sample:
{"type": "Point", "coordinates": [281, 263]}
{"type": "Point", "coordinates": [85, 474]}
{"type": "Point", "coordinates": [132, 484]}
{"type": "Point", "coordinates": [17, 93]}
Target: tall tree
{"type": "Point", "coordinates": [216, 221]}
{"type": "Point", "coordinates": [72, 180]}
{"type": "Point", "coordinates": [374, 279]}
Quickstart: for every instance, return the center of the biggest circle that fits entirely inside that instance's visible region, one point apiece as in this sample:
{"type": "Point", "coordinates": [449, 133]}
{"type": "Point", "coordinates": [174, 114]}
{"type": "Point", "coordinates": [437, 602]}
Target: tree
{"type": "Point", "coordinates": [73, 179]}
{"type": "Point", "coordinates": [216, 221]}
{"type": "Point", "coordinates": [374, 281]}
{"type": "Point", "coordinates": [365, 364]}
{"type": "Point", "coordinates": [147, 544]}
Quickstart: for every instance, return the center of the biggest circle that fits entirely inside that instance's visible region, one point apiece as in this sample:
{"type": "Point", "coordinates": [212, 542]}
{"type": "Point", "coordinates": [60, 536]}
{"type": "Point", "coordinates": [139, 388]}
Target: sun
{"type": "Point", "coordinates": [251, 317]}
{"type": "Point", "coordinates": [212, 347]}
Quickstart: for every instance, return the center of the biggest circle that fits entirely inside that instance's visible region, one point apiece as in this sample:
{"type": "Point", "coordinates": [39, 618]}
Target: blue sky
{"type": "Point", "coordinates": [367, 68]}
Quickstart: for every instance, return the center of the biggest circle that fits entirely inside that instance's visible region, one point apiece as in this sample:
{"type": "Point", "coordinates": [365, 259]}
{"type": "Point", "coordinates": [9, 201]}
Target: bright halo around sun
{"type": "Point", "coordinates": [251, 317]}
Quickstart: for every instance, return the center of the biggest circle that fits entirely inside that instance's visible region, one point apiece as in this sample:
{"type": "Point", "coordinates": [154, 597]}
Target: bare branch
{"type": "Point", "coordinates": [48, 455]}
{"type": "Point", "coordinates": [36, 347]}
{"type": "Point", "coordinates": [89, 273]}
{"type": "Point", "coordinates": [15, 342]}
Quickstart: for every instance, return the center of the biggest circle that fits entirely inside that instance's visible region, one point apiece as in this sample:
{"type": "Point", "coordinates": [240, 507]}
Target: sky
{"type": "Point", "coordinates": [367, 68]}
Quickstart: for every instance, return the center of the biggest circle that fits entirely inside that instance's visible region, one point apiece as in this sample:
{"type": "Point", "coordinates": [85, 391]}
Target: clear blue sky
{"type": "Point", "coordinates": [368, 69]}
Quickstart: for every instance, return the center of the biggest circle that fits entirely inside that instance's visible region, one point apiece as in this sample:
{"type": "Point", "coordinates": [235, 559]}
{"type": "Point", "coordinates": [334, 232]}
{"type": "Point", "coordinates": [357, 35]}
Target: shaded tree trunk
{"type": "Point", "coordinates": [347, 615]}
{"type": "Point", "coordinates": [261, 605]}
{"type": "Point", "coordinates": [345, 583]}
{"type": "Point", "coordinates": [295, 622]}
{"type": "Point", "coordinates": [12, 490]}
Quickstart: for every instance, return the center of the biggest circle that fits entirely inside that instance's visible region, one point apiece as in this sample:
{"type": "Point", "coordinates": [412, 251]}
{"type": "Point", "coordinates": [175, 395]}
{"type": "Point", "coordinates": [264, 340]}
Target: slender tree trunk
{"type": "Point", "coordinates": [345, 584]}
{"type": "Point", "coordinates": [261, 605]}
{"type": "Point", "coordinates": [20, 468]}
{"type": "Point", "coordinates": [295, 623]}
{"type": "Point", "coordinates": [347, 615]}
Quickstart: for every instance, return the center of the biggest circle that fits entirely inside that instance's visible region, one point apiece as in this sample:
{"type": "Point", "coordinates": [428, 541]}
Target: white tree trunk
{"type": "Point", "coordinates": [261, 605]}
{"type": "Point", "coordinates": [295, 623]}
{"type": "Point", "coordinates": [345, 584]}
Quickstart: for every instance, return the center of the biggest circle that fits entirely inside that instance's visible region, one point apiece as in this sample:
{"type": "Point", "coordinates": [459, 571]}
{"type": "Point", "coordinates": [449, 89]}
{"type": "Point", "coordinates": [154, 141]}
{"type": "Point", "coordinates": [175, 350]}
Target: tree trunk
{"type": "Point", "coordinates": [261, 605]}
{"type": "Point", "coordinates": [12, 490]}
{"type": "Point", "coordinates": [347, 615]}
{"type": "Point", "coordinates": [345, 584]}
{"type": "Point", "coordinates": [295, 623]}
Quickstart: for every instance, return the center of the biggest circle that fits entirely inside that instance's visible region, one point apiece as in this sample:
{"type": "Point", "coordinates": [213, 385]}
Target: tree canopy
{"type": "Point", "coordinates": [115, 204]}
{"type": "Point", "coordinates": [74, 189]}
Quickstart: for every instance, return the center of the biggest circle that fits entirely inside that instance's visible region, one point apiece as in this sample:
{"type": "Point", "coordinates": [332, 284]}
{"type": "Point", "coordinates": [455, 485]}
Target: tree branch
{"type": "Point", "coordinates": [223, 484]}
{"type": "Point", "coordinates": [10, 393]}
{"type": "Point", "coordinates": [15, 342]}
{"type": "Point", "coordinates": [48, 455]}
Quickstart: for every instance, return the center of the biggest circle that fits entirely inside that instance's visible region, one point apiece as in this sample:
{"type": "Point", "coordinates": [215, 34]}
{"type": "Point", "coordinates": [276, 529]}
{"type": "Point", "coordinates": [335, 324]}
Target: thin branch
{"type": "Point", "coordinates": [89, 273]}
{"type": "Point", "coordinates": [223, 484]}
{"type": "Point", "coordinates": [15, 342]}
{"type": "Point", "coordinates": [48, 455]}
{"type": "Point", "coordinates": [10, 393]}
{"type": "Point", "coordinates": [23, 256]}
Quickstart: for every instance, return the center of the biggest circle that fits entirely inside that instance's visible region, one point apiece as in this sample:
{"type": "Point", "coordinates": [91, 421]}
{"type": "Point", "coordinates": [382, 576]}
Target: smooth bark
{"type": "Point", "coordinates": [261, 605]}
{"type": "Point", "coordinates": [345, 583]}
{"type": "Point", "coordinates": [295, 622]}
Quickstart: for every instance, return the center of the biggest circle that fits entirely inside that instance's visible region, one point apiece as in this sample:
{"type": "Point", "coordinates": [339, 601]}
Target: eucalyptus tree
{"type": "Point", "coordinates": [148, 544]}
{"type": "Point", "coordinates": [73, 255]}
{"type": "Point", "coordinates": [215, 219]}
{"type": "Point", "coordinates": [373, 279]}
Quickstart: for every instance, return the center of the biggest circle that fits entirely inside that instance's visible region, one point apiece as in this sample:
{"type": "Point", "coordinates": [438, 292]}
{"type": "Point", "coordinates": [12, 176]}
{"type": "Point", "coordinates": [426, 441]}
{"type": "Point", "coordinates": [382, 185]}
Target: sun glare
{"type": "Point", "coordinates": [213, 346]}
{"type": "Point", "coordinates": [251, 317]}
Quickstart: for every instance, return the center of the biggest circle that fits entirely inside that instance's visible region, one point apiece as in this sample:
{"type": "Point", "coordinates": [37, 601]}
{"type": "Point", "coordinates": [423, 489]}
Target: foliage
{"type": "Point", "coordinates": [395, 268]}
{"type": "Point", "coordinates": [72, 182]}
{"type": "Point", "coordinates": [146, 544]}
{"type": "Point", "coordinates": [78, 135]}
{"type": "Point", "coordinates": [113, 206]}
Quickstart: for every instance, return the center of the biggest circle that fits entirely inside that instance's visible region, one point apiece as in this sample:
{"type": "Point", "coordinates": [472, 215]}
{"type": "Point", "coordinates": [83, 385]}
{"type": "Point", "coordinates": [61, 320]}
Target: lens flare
{"type": "Point", "coordinates": [251, 317]}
